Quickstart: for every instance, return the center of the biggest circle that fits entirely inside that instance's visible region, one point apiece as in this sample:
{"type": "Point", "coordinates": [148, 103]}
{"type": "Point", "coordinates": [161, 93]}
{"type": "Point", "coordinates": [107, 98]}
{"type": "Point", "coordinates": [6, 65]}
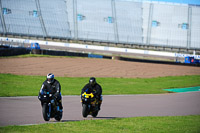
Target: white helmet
{"type": "Point", "coordinates": [50, 78]}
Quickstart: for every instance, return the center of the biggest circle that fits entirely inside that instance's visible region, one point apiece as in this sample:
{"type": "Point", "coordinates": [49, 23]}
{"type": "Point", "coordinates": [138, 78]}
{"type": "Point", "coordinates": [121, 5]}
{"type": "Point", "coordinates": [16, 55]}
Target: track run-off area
{"type": "Point", "coordinates": [28, 110]}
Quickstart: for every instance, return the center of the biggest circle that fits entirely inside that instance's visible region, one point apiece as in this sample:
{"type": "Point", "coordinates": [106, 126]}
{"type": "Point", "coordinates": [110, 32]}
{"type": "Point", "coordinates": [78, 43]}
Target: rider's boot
{"type": "Point", "coordinates": [60, 105]}
{"type": "Point", "coordinates": [99, 105]}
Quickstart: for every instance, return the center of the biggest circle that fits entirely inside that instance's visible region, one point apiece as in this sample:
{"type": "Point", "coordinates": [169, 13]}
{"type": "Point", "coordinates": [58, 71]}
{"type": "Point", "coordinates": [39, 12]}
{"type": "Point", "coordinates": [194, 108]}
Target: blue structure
{"type": "Point", "coordinates": [35, 46]}
{"type": "Point", "coordinates": [191, 60]}
{"type": "Point", "coordinates": [94, 56]}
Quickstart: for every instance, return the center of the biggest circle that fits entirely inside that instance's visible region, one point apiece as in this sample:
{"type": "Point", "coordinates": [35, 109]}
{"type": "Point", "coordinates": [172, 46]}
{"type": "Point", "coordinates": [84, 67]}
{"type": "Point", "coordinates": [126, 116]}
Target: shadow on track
{"type": "Point", "coordinates": [89, 118]}
{"type": "Point", "coordinates": [69, 120]}
{"type": "Point", "coordinates": [105, 117]}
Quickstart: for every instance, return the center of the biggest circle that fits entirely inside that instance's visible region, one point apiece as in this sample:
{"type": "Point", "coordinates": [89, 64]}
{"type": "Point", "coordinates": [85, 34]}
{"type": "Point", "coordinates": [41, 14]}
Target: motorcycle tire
{"type": "Point", "coordinates": [95, 113]}
{"type": "Point", "coordinates": [45, 111]}
{"type": "Point", "coordinates": [85, 110]}
{"type": "Point", "coordinates": [58, 117]}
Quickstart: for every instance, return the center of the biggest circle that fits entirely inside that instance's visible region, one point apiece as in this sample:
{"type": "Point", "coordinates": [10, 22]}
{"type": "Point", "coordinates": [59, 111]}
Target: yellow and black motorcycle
{"type": "Point", "coordinates": [89, 104]}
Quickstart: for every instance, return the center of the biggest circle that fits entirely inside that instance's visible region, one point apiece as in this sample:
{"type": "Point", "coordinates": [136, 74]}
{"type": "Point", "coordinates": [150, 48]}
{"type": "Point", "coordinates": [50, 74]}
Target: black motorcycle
{"type": "Point", "coordinates": [89, 104]}
{"type": "Point", "coordinates": [50, 108]}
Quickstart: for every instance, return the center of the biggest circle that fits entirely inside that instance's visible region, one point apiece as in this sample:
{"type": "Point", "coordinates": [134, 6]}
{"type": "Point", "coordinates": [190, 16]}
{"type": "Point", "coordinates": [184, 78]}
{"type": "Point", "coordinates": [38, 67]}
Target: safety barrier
{"type": "Point", "coordinates": [102, 48]}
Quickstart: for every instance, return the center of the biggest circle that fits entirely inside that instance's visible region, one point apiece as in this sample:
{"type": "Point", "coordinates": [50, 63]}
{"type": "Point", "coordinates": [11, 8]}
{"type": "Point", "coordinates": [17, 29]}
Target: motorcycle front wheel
{"type": "Point", "coordinates": [58, 117]}
{"type": "Point", "coordinates": [95, 113]}
{"type": "Point", "coordinates": [85, 110]}
{"type": "Point", "coordinates": [45, 112]}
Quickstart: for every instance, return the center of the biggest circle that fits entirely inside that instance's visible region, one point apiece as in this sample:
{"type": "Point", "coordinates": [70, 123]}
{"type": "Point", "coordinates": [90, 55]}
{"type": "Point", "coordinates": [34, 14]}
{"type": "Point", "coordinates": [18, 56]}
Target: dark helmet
{"type": "Point", "coordinates": [50, 78]}
{"type": "Point", "coordinates": [92, 81]}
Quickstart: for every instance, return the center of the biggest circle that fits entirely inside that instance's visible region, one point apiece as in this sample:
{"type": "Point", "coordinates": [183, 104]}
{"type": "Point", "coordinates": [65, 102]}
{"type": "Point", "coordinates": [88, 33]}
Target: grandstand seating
{"type": "Point", "coordinates": [129, 21]}
{"type": "Point", "coordinates": [195, 27]}
{"type": "Point", "coordinates": [94, 26]}
{"type": "Point", "coordinates": [55, 18]}
{"type": "Point", "coordinates": [116, 21]}
{"type": "Point", "coordinates": [168, 32]}
{"type": "Point", "coordinates": [19, 20]}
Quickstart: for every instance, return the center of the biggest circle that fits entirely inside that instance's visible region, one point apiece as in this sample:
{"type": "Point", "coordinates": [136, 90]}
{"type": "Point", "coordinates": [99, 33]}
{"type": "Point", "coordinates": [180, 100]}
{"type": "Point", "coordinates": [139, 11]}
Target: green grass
{"type": "Point", "coordinates": [18, 85]}
{"type": "Point", "coordinates": [168, 124]}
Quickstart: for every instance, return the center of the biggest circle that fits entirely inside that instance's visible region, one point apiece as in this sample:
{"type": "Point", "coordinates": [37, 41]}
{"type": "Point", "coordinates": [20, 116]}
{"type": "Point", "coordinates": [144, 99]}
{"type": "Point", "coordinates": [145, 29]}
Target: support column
{"type": "Point", "coordinates": [149, 24]}
{"type": "Point", "coordinates": [75, 19]}
{"type": "Point", "coordinates": [189, 27]}
{"type": "Point", "coordinates": [2, 19]}
{"type": "Point", "coordinates": [115, 21]}
{"type": "Point", "coordinates": [40, 18]}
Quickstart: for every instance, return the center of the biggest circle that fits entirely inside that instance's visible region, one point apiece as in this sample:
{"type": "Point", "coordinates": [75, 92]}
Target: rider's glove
{"type": "Point", "coordinates": [39, 97]}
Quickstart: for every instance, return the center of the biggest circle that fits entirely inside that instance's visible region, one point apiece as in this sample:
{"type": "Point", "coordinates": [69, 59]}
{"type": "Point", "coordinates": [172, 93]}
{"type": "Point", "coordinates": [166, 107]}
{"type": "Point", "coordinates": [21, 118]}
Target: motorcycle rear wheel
{"type": "Point", "coordinates": [45, 112]}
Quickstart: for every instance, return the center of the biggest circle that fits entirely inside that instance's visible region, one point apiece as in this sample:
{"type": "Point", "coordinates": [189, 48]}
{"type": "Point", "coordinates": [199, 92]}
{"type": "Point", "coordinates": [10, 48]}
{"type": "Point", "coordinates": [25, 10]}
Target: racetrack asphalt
{"type": "Point", "coordinates": [27, 110]}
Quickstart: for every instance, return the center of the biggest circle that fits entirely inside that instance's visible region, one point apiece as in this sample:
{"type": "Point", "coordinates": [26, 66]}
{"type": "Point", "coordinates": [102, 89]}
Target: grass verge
{"type": "Point", "coordinates": [167, 124]}
{"type": "Point", "coordinates": [19, 85]}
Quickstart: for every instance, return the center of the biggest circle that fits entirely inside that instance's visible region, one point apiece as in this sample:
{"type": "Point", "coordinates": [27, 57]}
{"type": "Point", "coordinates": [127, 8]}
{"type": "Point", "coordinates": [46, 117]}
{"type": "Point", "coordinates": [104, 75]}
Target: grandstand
{"type": "Point", "coordinates": [172, 24]}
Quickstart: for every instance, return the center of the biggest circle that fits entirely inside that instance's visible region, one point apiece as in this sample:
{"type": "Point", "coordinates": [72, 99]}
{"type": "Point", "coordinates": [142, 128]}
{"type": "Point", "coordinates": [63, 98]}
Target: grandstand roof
{"type": "Point", "coordinates": [192, 2]}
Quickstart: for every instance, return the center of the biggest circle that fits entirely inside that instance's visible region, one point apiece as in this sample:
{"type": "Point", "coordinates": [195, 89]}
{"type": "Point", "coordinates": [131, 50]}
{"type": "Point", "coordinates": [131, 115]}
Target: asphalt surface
{"type": "Point", "coordinates": [27, 110]}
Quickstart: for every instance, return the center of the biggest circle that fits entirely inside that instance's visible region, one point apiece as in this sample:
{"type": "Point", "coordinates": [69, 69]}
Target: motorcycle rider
{"type": "Point", "coordinates": [95, 88]}
{"type": "Point", "coordinates": [52, 86]}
